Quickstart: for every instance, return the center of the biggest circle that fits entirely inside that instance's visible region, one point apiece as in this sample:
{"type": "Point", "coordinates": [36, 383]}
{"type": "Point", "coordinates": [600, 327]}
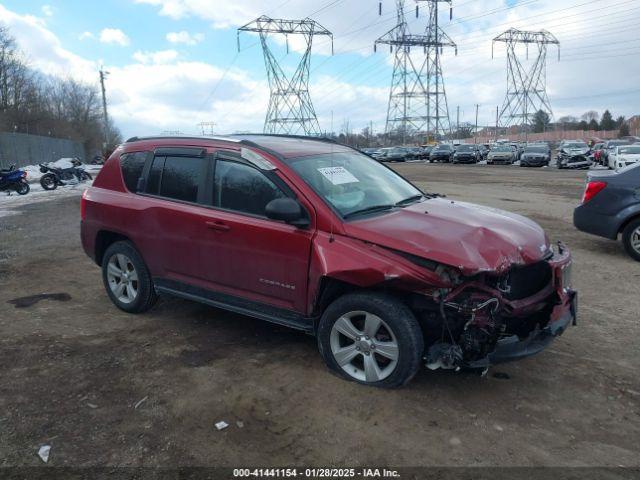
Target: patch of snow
{"type": "Point", "coordinates": [10, 200]}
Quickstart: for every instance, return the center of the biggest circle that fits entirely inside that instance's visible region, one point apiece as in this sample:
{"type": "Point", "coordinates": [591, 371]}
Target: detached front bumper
{"type": "Point", "coordinates": [512, 348]}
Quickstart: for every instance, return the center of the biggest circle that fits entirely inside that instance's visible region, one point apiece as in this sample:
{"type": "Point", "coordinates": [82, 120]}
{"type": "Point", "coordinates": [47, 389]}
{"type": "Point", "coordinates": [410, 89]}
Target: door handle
{"type": "Point", "coordinates": [219, 226]}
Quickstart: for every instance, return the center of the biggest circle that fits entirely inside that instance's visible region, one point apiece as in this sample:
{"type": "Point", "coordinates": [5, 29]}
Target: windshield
{"type": "Point", "coordinates": [442, 147]}
{"type": "Point", "coordinates": [617, 144]}
{"type": "Point", "coordinates": [501, 149]}
{"type": "Point", "coordinates": [351, 182]}
{"type": "Point", "coordinates": [576, 145]}
{"type": "Point", "coordinates": [634, 150]}
{"type": "Point", "coordinates": [465, 148]}
{"type": "Point", "coordinates": [536, 150]}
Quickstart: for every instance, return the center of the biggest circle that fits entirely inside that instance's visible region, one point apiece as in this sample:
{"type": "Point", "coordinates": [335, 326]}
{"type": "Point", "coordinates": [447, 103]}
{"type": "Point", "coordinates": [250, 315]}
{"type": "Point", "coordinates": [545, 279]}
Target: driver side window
{"type": "Point", "coordinates": [243, 189]}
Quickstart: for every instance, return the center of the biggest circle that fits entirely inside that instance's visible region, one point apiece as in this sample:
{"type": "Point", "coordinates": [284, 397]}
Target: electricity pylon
{"type": "Point", "coordinates": [526, 87]}
{"type": "Point", "coordinates": [417, 100]}
{"type": "Point", "coordinates": [290, 108]}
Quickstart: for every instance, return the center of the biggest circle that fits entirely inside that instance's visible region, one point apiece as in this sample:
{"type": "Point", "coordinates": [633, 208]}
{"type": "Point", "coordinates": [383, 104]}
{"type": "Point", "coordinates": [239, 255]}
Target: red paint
{"type": "Point", "coordinates": [240, 255]}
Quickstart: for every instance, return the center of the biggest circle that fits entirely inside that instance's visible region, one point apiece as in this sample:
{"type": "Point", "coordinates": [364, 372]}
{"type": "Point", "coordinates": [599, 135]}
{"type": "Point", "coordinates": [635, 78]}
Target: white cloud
{"type": "Point", "coordinates": [185, 37]}
{"type": "Point", "coordinates": [159, 57]}
{"type": "Point", "coordinates": [43, 48]}
{"type": "Point", "coordinates": [159, 91]}
{"type": "Point", "coordinates": [114, 36]}
{"type": "Point", "coordinates": [86, 36]}
{"type": "Point", "coordinates": [47, 10]}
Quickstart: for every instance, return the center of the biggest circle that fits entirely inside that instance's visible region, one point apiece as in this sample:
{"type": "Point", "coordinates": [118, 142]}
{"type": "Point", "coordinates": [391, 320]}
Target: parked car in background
{"type": "Point", "coordinates": [427, 151]}
{"type": "Point", "coordinates": [415, 153]}
{"type": "Point", "coordinates": [441, 153]}
{"type": "Point", "coordinates": [503, 154]}
{"type": "Point", "coordinates": [611, 207]}
{"type": "Point", "coordinates": [609, 147]}
{"type": "Point", "coordinates": [369, 151]}
{"type": "Point", "coordinates": [466, 154]}
{"type": "Point", "coordinates": [623, 156]}
{"type": "Point", "coordinates": [596, 152]}
{"type": "Point", "coordinates": [573, 154]}
{"type": "Point", "coordinates": [483, 150]}
{"type": "Point", "coordinates": [392, 154]}
{"type": "Point", "coordinates": [535, 156]}
{"type": "Point", "coordinates": [329, 242]}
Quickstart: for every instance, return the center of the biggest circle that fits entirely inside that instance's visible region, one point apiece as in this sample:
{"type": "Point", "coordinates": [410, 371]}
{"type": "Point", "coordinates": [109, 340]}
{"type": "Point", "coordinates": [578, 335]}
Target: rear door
{"type": "Point", "coordinates": [247, 254]}
{"type": "Point", "coordinates": [172, 224]}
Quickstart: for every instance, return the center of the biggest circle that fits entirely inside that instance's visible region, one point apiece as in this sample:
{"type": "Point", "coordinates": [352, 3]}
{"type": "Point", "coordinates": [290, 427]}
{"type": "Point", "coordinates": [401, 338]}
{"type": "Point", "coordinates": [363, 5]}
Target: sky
{"type": "Point", "coordinates": [175, 63]}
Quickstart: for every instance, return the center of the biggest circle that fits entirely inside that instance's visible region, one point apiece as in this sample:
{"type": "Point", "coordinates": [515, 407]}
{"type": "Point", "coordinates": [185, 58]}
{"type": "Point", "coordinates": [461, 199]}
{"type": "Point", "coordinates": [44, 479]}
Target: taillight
{"type": "Point", "coordinates": [24, 174]}
{"type": "Point", "coordinates": [592, 189]}
{"type": "Point", "coordinates": [83, 205]}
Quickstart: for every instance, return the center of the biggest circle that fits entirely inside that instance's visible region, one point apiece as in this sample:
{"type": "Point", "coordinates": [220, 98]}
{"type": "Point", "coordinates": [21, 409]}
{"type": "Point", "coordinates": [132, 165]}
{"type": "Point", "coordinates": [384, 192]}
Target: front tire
{"type": "Point", "coordinates": [127, 279]}
{"type": "Point", "coordinates": [371, 338]}
{"type": "Point", "coordinates": [631, 239]}
{"type": "Point", "coordinates": [23, 187]}
{"type": "Point", "coordinates": [48, 181]}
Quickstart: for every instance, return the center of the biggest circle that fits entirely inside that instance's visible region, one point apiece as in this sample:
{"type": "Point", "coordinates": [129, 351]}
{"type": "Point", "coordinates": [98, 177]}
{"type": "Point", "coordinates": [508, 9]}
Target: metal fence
{"type": "Point", "coordinates": [22, 149]}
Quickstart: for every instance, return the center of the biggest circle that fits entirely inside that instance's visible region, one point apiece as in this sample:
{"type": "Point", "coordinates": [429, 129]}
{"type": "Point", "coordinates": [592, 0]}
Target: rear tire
{"type": "Point", "coordinates": [631, 239]}
{"type": "Point", "coordinates": [127, 279]}
{"type": "Point", "coordinates": [48, 181]}
{"type": "Point", "coordinates": [371, 338]}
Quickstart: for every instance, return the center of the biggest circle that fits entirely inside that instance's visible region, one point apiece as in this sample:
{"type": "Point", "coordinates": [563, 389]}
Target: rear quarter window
{"type": "Point", "coordinates": [132, 165]}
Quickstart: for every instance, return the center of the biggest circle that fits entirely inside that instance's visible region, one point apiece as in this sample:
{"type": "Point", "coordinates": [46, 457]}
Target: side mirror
{"type": "Point", "coordinates": [287, 210]}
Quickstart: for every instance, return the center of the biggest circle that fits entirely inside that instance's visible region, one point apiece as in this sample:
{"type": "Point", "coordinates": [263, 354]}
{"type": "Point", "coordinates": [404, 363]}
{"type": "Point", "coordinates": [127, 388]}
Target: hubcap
{"type": "Point", "coordinates": [122, 278]}
{"type": "Point", "coordinates": [635, 240]}
{"type": "Point", "coordinates": [364, 346]}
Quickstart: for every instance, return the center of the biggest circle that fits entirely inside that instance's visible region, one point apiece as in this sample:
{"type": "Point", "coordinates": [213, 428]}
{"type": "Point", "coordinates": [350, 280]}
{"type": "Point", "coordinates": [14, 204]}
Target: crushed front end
{"type": "Point", "coordinates": [490, 317]}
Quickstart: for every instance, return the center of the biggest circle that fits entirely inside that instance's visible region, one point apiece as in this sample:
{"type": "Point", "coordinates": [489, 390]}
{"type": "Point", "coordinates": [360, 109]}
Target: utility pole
{"type": "Point", "coordinates": [417, 98]}
{"type": "Point", "coordinates": [103, 76]}
{"type": "Point", "coordinates": [497, 121]}
{"type": "Point", "coordinates": [207, 128]}
{"type": "Point", "coordinates": [290, 108]}
{"type": "Point", "coordinates": [458, 123]}
{"type": "Point", "coordinates": [526, 87]}
{"type": "Point", "coordinates": [475, 135]}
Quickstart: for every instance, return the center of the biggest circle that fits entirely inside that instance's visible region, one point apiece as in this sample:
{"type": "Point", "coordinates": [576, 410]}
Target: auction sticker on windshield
{"type": "Point", "coordinates": [338, 175]}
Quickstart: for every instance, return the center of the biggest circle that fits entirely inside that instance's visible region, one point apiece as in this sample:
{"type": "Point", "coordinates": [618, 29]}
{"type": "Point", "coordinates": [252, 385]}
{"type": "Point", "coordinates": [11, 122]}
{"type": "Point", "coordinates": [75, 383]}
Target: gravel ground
{"type": "Point", "coordinates": [105, 388]}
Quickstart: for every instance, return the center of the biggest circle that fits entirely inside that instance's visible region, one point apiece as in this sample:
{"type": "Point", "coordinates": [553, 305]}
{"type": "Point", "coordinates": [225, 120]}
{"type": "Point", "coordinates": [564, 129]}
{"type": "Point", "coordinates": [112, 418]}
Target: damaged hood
{"type": "Point", "coordinates": [463, 235]}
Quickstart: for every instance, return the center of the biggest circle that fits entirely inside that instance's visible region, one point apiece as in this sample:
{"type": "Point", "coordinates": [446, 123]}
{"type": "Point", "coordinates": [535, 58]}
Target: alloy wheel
{"type": "Point", "coordinates": [364, 346]}
{"type": "Point", "coordinates": [635, 240]}
{"type": "Point", "coordinates": [122, 278]}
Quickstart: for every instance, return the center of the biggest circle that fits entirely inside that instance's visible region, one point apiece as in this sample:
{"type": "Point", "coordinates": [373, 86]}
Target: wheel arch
{"type": "Point", "coordinates": [106, 238]}
{"type": "Point", "coordinates": [631, 218]}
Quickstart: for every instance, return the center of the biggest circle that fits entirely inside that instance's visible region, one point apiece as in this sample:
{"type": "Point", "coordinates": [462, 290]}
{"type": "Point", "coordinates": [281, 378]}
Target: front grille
{"type": "Point", "coordinates": [523, 282]}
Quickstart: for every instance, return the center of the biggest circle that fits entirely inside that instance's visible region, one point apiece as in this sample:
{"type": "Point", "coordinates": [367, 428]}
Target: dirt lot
{"type": "Point", "coordinates": [73, 369]}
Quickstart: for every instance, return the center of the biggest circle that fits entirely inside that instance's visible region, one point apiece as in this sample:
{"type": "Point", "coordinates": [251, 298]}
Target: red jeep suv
{"type": "Point", "coordinates": [316, 236]}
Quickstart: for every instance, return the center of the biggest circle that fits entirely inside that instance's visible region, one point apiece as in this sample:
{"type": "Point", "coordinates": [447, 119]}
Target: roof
{"type": "Point", "coordinates": [285, 146]}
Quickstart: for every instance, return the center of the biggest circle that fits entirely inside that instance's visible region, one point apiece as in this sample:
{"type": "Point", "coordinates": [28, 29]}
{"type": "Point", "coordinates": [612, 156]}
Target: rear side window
{"type": "Point", "coordinates": [181, 177]}
{"type": "Point", "coordinates": [132, 165]}
{"type": "Point", "coordinates": [242, 188]}
{"type": "Point", "coordinates": [177, 178]}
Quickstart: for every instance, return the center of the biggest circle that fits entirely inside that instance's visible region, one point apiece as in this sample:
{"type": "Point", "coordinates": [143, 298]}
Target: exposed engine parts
{"type": "Point", "coordinates": [472, 317]}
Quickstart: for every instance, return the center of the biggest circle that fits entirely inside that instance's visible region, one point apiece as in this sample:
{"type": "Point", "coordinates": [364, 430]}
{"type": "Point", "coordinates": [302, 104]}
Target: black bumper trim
{"type": "Point", "coordinates": [510, 349]}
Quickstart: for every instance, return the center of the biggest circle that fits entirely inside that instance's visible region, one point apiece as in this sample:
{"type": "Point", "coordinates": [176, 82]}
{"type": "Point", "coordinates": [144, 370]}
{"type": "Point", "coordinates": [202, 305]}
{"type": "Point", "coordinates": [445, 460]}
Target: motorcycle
{"type": "Point", "coordinates": [14, 179]}
{"type": "Point", "coordinates": [54, 176]}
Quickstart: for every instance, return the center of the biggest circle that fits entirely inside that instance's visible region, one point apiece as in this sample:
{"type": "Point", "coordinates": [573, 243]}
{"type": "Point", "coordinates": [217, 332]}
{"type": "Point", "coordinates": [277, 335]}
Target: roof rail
{"type": "Point", "coordinates": [180, 137]}
{"type": "Point", "coordinates": [279, 135]}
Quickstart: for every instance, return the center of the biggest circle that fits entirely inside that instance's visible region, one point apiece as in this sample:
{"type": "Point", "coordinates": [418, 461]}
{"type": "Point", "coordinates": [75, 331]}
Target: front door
{"type": "Point", "coordinates": [247, 254]}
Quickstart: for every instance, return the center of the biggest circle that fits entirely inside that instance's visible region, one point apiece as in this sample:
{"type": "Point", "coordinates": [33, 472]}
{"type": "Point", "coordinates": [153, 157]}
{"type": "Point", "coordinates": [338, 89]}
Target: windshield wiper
{"type": "Point", "coordinates": [409, 200]}
{"type": "Point", "coordinates": [374, 208]}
